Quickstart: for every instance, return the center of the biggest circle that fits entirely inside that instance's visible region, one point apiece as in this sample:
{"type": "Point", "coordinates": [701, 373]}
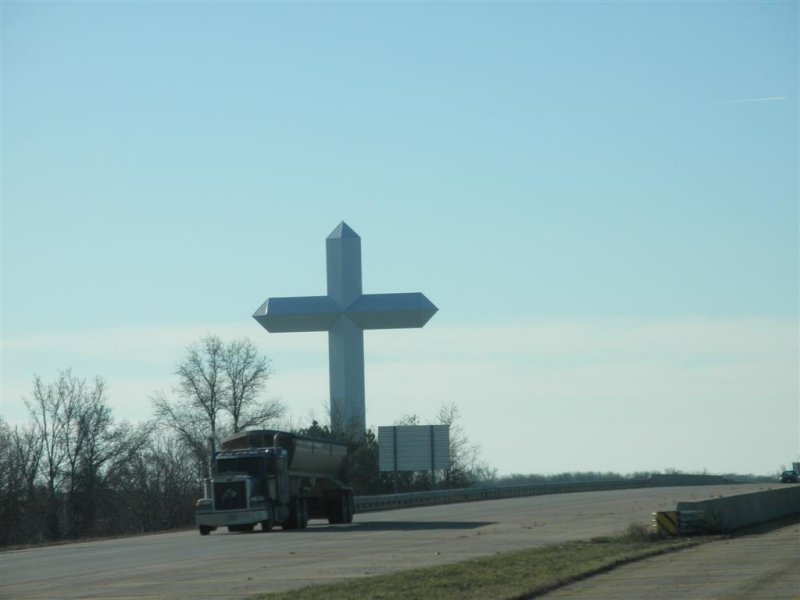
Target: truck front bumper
{"type": "Point", "coordinates": [221, 518]}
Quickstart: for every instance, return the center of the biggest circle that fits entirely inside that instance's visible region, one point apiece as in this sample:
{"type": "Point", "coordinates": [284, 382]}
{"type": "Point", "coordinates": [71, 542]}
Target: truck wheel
{"type": "Point", "coordinates": [302, 521]}
{"type": "Point", "coordinates": [351, 507]}
{"type": "Point", "coordinates": [266, 524]}
{"type": "Point", "coordinates": [330, 508]}
{"type": "Point", "coordinates": [295, 515]}
{"type": "Point", "coordinates": [204, 530]}
{"type": "Point", "coordinates": [337, 510]}
{"type": "Point", "coordinates": [334, 510]}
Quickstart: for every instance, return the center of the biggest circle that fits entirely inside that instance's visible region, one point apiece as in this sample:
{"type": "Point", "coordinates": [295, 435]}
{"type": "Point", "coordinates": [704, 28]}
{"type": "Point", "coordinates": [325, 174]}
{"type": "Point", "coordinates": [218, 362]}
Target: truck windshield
{"type": "Point", "coordinates": [252, 465]}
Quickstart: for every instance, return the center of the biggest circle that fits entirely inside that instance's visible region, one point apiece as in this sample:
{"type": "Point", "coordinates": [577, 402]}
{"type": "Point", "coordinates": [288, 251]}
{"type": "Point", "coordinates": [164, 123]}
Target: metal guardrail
{"type": "Point", "coordinates": [408, 500]}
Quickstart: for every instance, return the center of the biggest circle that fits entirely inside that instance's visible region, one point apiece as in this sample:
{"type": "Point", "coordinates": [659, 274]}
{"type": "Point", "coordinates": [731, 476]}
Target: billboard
{"type": "Point", "coordinates": [414, 448]}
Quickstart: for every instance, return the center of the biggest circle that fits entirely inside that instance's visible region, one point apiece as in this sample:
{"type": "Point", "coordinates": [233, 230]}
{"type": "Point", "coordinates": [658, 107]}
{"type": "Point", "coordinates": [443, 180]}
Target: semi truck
{"type": "Point", "coordinates": [268, 478]}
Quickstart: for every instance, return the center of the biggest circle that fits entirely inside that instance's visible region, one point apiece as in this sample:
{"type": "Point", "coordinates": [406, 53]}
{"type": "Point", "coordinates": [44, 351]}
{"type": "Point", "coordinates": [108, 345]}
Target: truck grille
{"type": "Point", "coordinates": [229, 495]}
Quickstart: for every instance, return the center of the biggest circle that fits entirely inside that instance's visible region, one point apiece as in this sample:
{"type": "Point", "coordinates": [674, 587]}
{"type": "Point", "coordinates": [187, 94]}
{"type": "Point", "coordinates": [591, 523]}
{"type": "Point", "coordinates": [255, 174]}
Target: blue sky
{"type": "Point", "coordinates": [601, 199]}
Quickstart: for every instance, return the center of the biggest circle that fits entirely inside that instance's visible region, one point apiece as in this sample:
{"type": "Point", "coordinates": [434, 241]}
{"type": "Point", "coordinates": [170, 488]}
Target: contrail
{"type": "Point", "coordinates": [765, 99]}
{"type": "Point", "coordinates": [646, 107]}
{"type": "Point", "coordinates": [723, 102]}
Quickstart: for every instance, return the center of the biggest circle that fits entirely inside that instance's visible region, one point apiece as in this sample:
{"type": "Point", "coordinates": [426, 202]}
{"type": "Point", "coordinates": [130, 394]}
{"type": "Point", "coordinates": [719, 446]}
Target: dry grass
{"type": "Point", "coordinates": [516, 575]}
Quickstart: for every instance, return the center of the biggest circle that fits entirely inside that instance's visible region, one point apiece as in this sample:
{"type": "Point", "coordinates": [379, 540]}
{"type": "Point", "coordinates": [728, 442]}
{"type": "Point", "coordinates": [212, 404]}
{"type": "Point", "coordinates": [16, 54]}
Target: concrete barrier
{"type": "Point", "coordinates": [742, 510]}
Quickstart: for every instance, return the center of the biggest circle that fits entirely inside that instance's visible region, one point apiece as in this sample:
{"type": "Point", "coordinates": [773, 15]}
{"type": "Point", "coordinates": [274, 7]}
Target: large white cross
{"type": "Point", "coordinates": [345, 313]}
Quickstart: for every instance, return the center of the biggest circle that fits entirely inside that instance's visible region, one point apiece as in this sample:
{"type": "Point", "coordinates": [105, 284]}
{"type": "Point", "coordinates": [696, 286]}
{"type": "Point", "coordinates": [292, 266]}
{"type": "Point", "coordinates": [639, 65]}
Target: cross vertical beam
{"type": "Point", "coordinates": [343, 262]}
{"type": "Point", "coordinates": [346, 375]}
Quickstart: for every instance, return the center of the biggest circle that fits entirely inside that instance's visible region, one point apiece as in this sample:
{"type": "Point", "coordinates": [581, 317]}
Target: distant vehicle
{"type": "Point", "coordinates": [790, 477]}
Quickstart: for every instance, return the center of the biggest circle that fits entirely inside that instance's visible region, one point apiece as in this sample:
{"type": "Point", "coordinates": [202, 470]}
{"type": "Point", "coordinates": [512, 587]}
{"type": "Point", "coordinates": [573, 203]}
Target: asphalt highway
{"type": "Point", "coordinates": [233, 565]}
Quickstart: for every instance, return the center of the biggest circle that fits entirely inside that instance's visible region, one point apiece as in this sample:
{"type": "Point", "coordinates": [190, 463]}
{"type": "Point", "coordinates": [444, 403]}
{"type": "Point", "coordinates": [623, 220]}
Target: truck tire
{"type": "Point", "coordinates": [266, 525]}
{"type": "Point", "coordinates": [302, 522]}
{"type": "Point", "coordinates": [351, 507]}
{"type": "Point", "coordinates": [204, 530]}
{"type": "Point", "coordinates": [298, 515]}
{"type": "Point", "coordinates": [338, 509]}
{"type": "Point", "coordinates": [291, 522]}
{"type": "Point", "coordinates": [333, 512]}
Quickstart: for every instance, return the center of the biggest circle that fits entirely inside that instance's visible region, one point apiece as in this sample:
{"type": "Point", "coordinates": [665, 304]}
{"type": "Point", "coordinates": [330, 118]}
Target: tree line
{"type": "Point", "coordinates": [72, 471]}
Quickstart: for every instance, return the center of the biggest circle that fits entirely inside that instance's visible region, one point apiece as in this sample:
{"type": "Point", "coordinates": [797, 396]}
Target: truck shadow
{"type": "Point", "coordinates": [399, 526]}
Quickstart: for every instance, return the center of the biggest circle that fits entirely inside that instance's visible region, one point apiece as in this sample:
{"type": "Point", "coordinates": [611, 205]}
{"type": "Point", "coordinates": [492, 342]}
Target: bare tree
{"type": "Point", "coordinates": [190, 427]}
{"type": "Point", "coordinates": [53, 410]}
{"type": "Point", "coordinates": [20, 453]}
{"type": "Point", "coordinates": [74, 472]}
{"type": "Point", "coordinates": [159, 485]}
{"type": "Point", "coordinates": [87, 420]}
{"type": "Point", "coordinates": [247, 373]}
{"type": "Point", "coordinates": [220, 389]}
{"type": "Point", "coordinates": [81, 447]}
{"type": "Point", "coordinates": [466, 468]}
{"type": "Point", "coordinates": [106, 452]}
{"type": "Point", "coordinates": [201, 379]}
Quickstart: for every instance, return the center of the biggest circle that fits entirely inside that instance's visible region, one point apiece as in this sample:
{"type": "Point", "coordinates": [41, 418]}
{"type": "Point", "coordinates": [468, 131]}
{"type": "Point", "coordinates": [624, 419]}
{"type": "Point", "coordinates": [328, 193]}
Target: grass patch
{"type": "Point", "coordinates": [515, 575]}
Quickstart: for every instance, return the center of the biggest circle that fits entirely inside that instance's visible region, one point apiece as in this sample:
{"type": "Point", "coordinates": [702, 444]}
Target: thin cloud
{"type": "Point", "coordinates": [726, 102]}
{"type": "Point", "coordinates": [678, 392]}
{"type": "Point", "coordinates": [622, 109]}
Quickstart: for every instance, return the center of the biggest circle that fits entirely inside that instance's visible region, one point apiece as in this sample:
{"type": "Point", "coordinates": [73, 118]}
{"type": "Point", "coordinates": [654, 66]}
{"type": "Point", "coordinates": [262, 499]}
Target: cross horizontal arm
{"type": "Point", "coordinates": [305, 313]}
{"type": "Point", "coordinates": [391, 311]}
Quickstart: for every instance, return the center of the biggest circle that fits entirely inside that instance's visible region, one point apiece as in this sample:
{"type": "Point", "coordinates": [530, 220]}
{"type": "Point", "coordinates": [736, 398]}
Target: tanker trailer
{"type": "Point", "coordinates": [273, 478]}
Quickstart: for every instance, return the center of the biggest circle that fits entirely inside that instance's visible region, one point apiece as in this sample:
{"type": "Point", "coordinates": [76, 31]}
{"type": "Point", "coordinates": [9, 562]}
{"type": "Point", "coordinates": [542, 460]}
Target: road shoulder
{"type": "Point", "coordinates": [763, 563]}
